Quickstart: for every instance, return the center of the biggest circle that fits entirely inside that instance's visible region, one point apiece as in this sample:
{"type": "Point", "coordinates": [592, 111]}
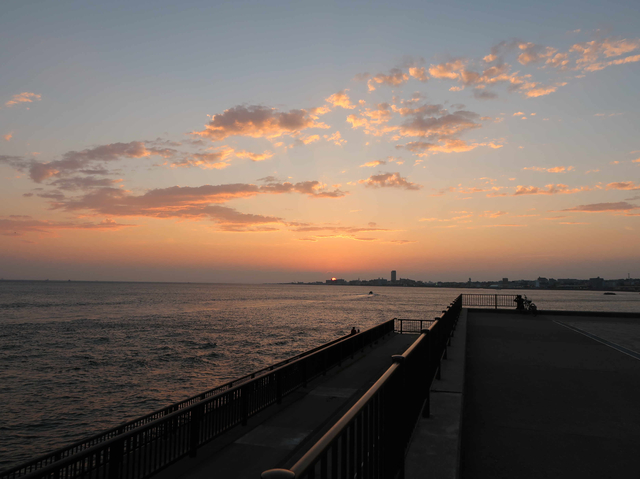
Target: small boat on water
{"type": "Point", "coordinates": [609, 293]}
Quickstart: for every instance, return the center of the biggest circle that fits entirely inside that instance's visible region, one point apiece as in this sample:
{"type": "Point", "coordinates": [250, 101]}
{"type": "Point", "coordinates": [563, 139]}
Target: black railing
{"type": "Point", "coordinates": [412, 326]}
{"type": "Point", "coordinates": [372, 438]}
{"type": "Point", "coordinates": [144, 446]}
{"type": "Point", "coordinates": [489, 300]}
{"type": "Point", "coordinates": [79, 446]}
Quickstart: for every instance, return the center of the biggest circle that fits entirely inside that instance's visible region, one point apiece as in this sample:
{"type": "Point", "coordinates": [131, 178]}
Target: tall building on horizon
{"type": "Point", "coordinates": [393, 276]}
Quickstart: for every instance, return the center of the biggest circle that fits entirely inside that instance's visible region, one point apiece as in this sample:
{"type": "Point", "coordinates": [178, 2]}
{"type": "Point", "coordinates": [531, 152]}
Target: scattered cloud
{"type": "Point", "coordinates": [623, 185]}
{"type": "Point", "coordinates": [550, 189]}
{"type": "Point", "coordinates": [340, 99]}
{"type": "Point", "coordinates": [18, 225]}
{"type": "Point", "coordinates": [389, 180]}
{"type": "Point", "coordinates": [8, 136]}
{"type": "Point", "coordinates": [336, 139]}
{"type": "Point", "coordinates": [373, 164]}
{"type": "Point", "coordinates": [555, 169]}
{"type": "Point", "coordinates": [259, 122]}
{"type": "Point", "coordinates": [604, 207]}
{"type": "Point", "coordinates": [395, 77]}
{"type": "Point", "coordinates": [24, 97]}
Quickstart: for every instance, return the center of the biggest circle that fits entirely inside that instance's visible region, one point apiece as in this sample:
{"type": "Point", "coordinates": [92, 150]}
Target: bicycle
{"type": "Point", "coordinates": [530, 306]}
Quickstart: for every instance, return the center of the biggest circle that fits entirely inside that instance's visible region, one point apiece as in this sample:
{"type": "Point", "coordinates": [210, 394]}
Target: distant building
{"type": "Point", "coordinates": [393, 276]}
{"type": "Point", "coordinates": [596, 283]}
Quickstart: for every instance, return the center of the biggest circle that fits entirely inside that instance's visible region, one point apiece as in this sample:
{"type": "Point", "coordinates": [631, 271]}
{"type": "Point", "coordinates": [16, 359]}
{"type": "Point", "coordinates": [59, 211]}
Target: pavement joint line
{"type": "Point", "coordinates": [615, 346]}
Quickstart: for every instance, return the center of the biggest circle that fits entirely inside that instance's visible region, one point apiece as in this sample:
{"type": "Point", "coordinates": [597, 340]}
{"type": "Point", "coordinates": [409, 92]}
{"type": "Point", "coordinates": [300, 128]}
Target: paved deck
{"type": "Point", "coordinates": [544, 400]}
{"type": "Point", "coordinates": [280, 435]}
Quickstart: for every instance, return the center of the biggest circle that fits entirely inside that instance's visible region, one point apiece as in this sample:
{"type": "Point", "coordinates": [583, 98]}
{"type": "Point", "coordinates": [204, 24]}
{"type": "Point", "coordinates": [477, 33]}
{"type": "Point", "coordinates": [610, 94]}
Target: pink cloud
{"type": "Point", "coordinates": [258, 122]}
{"type": "Point", "coordinates": [396, 77]}
{"type": "Point", "coordinates": [24, 97]}
{"type": "Point", "coordinates": [341, 99]}
{"type": "Point", "coordinates": [623, 185]}
{"type": "Point", "coordinates": [389, 180]}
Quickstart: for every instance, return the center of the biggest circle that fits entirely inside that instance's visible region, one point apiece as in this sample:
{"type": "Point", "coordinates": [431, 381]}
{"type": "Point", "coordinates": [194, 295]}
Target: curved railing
{"type": "Point", "coordinates": [159, 439]}
{"type": "Point", "coordinates": [372, 438]}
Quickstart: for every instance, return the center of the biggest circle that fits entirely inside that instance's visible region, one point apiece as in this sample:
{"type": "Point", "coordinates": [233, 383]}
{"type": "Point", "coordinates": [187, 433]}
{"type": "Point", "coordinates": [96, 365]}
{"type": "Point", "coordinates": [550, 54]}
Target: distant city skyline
{"type": "Point", "coordinates": [290, 141]}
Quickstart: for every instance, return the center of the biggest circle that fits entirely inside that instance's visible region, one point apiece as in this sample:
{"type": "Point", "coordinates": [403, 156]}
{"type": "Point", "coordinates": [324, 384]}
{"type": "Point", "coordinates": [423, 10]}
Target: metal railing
{"type": "Point", "coordinates": [489, 300]}
{"type": "Point", "coordinates": [412, 326]}
{"type": "Point", "coordinates": [79, 446]}
{"type": "Point", "coordinates": [159, 439]}
{"type": "Point", "coordinates": [372, 438]}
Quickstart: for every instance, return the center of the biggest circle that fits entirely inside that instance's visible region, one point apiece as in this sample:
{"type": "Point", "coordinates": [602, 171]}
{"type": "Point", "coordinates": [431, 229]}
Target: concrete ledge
{"type": "Point", "coordinates": [434, 451]}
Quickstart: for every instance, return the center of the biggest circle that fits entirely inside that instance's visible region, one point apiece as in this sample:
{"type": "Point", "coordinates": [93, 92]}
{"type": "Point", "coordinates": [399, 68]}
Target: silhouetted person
{"type": "Point", "coordinates": [353, 330]}
{"type": "Point", "coordinates": [519, 302]}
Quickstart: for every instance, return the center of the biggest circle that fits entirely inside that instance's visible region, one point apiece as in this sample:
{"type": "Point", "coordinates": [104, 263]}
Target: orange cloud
{"type": "Point", "coordinates": [532, 53]}
{"type": "Point", "coordinates": [396, 77]}
{"type": "Point", "coordinates": [341, 99]}
{"type": "Point", "coordinates": [623, 185]}
{"type": "Point", "coordinates": [555, 169]}
{"type": "Point", "coordinates": [254, 156]}
{"type": "Point", "coordinates": [422, 148]}
{"type": "Point", "coordinates": [449, 70]}
{"type": "Point", "coordinates": [8, 136]}
{"type": "Point", "coordinates": [419, 73]}
{"type": "Point", "coordinates": [258, 122]}
{"type": "Point", "coordinates": [17, 225]}
{"type": "Point", "coordinates": [24, 97]}
{"type": "Point", "coordinates": [389, 180]}
{"type": "Point", "coordinates": [336, 139]}
{"type": "Point", "coordinates": [604, 207]}
{"type": "Point", "coordinates": [214, 160]}
{"type": "Point", "coordinates": [373, 164]}
{"type": "Point", "coordinates": [551, 189]}
{"type": "Point", "coordinates": [493, 214]}
{"type": "Point", "coordinates": [194, 203]}
{"type": "Point", "coordinates": [591, 52]}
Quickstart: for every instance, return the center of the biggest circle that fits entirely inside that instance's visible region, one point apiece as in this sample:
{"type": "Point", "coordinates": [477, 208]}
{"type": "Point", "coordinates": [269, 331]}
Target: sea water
{"type": "Point", "coordinates": [80, 357]}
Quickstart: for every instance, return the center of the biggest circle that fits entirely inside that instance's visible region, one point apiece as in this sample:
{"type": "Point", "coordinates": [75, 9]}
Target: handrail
{"type": "Point", "coordinates": [372, 438]}
{"type": "Point", "coordinates": [489, 300]}
{"type": "Point", "coordinates": [140, 452]}
{"type": "Point", "coordinates": [86, 443]}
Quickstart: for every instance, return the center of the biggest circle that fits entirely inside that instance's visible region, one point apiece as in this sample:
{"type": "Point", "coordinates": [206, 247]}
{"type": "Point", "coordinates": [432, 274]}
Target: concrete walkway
{"type": "Point", "coordinates": [278, 436]}
{"type": "Point", "coordinates": [543, 400]}
{"type": "Point", "coordinates": [434, 452]}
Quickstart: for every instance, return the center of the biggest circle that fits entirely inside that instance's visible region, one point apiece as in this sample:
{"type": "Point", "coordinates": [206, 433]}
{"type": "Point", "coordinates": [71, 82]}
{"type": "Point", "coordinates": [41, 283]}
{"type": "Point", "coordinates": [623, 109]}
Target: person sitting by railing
{"type": "Point", "coordinates": [519, 302]}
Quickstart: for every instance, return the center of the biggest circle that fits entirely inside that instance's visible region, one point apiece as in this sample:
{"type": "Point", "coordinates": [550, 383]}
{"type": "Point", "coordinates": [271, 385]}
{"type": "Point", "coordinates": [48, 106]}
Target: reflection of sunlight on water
{"type": "Point", "coordinates": [82, 357]}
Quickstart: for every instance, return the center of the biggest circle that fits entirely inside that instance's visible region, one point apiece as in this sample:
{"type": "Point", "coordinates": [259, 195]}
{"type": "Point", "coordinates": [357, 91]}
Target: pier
{"type": "Point", "coordinates": [480, 391]}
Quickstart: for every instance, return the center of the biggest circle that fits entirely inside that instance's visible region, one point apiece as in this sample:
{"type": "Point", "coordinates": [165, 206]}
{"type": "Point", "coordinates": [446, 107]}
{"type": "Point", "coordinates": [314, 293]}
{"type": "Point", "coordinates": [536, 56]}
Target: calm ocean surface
{"type": "Point", "coordinates": [78, 358]}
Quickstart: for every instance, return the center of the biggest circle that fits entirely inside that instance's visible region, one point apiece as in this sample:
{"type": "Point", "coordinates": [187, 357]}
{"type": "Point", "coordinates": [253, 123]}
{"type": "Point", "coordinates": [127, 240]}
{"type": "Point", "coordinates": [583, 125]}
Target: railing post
{"type": "Point", "coordinates": [304, 373]}
{"type": "Point", "coordinates": [496, 300]}
{"type": "Point", "coordinates": [194, 439]}
{"type": "Point", "coordinates": [426, 410]}
{"type": "Point", "coordinates": [244, 402]}
{"type": "Point", "coordinates": [278, 377]}
{"type": "Point", "coordinates": [116, 452]}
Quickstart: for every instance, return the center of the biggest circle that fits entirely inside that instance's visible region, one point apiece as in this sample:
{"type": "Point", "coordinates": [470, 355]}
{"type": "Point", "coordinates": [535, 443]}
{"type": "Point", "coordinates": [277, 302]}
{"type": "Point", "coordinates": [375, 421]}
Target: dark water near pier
{"type": "Point", "coordinates": [78, 358]}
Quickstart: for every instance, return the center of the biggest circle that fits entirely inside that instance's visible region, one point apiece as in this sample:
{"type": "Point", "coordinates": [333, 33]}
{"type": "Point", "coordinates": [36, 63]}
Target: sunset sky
{"type": "Point", "coordinates": [295, 141]}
